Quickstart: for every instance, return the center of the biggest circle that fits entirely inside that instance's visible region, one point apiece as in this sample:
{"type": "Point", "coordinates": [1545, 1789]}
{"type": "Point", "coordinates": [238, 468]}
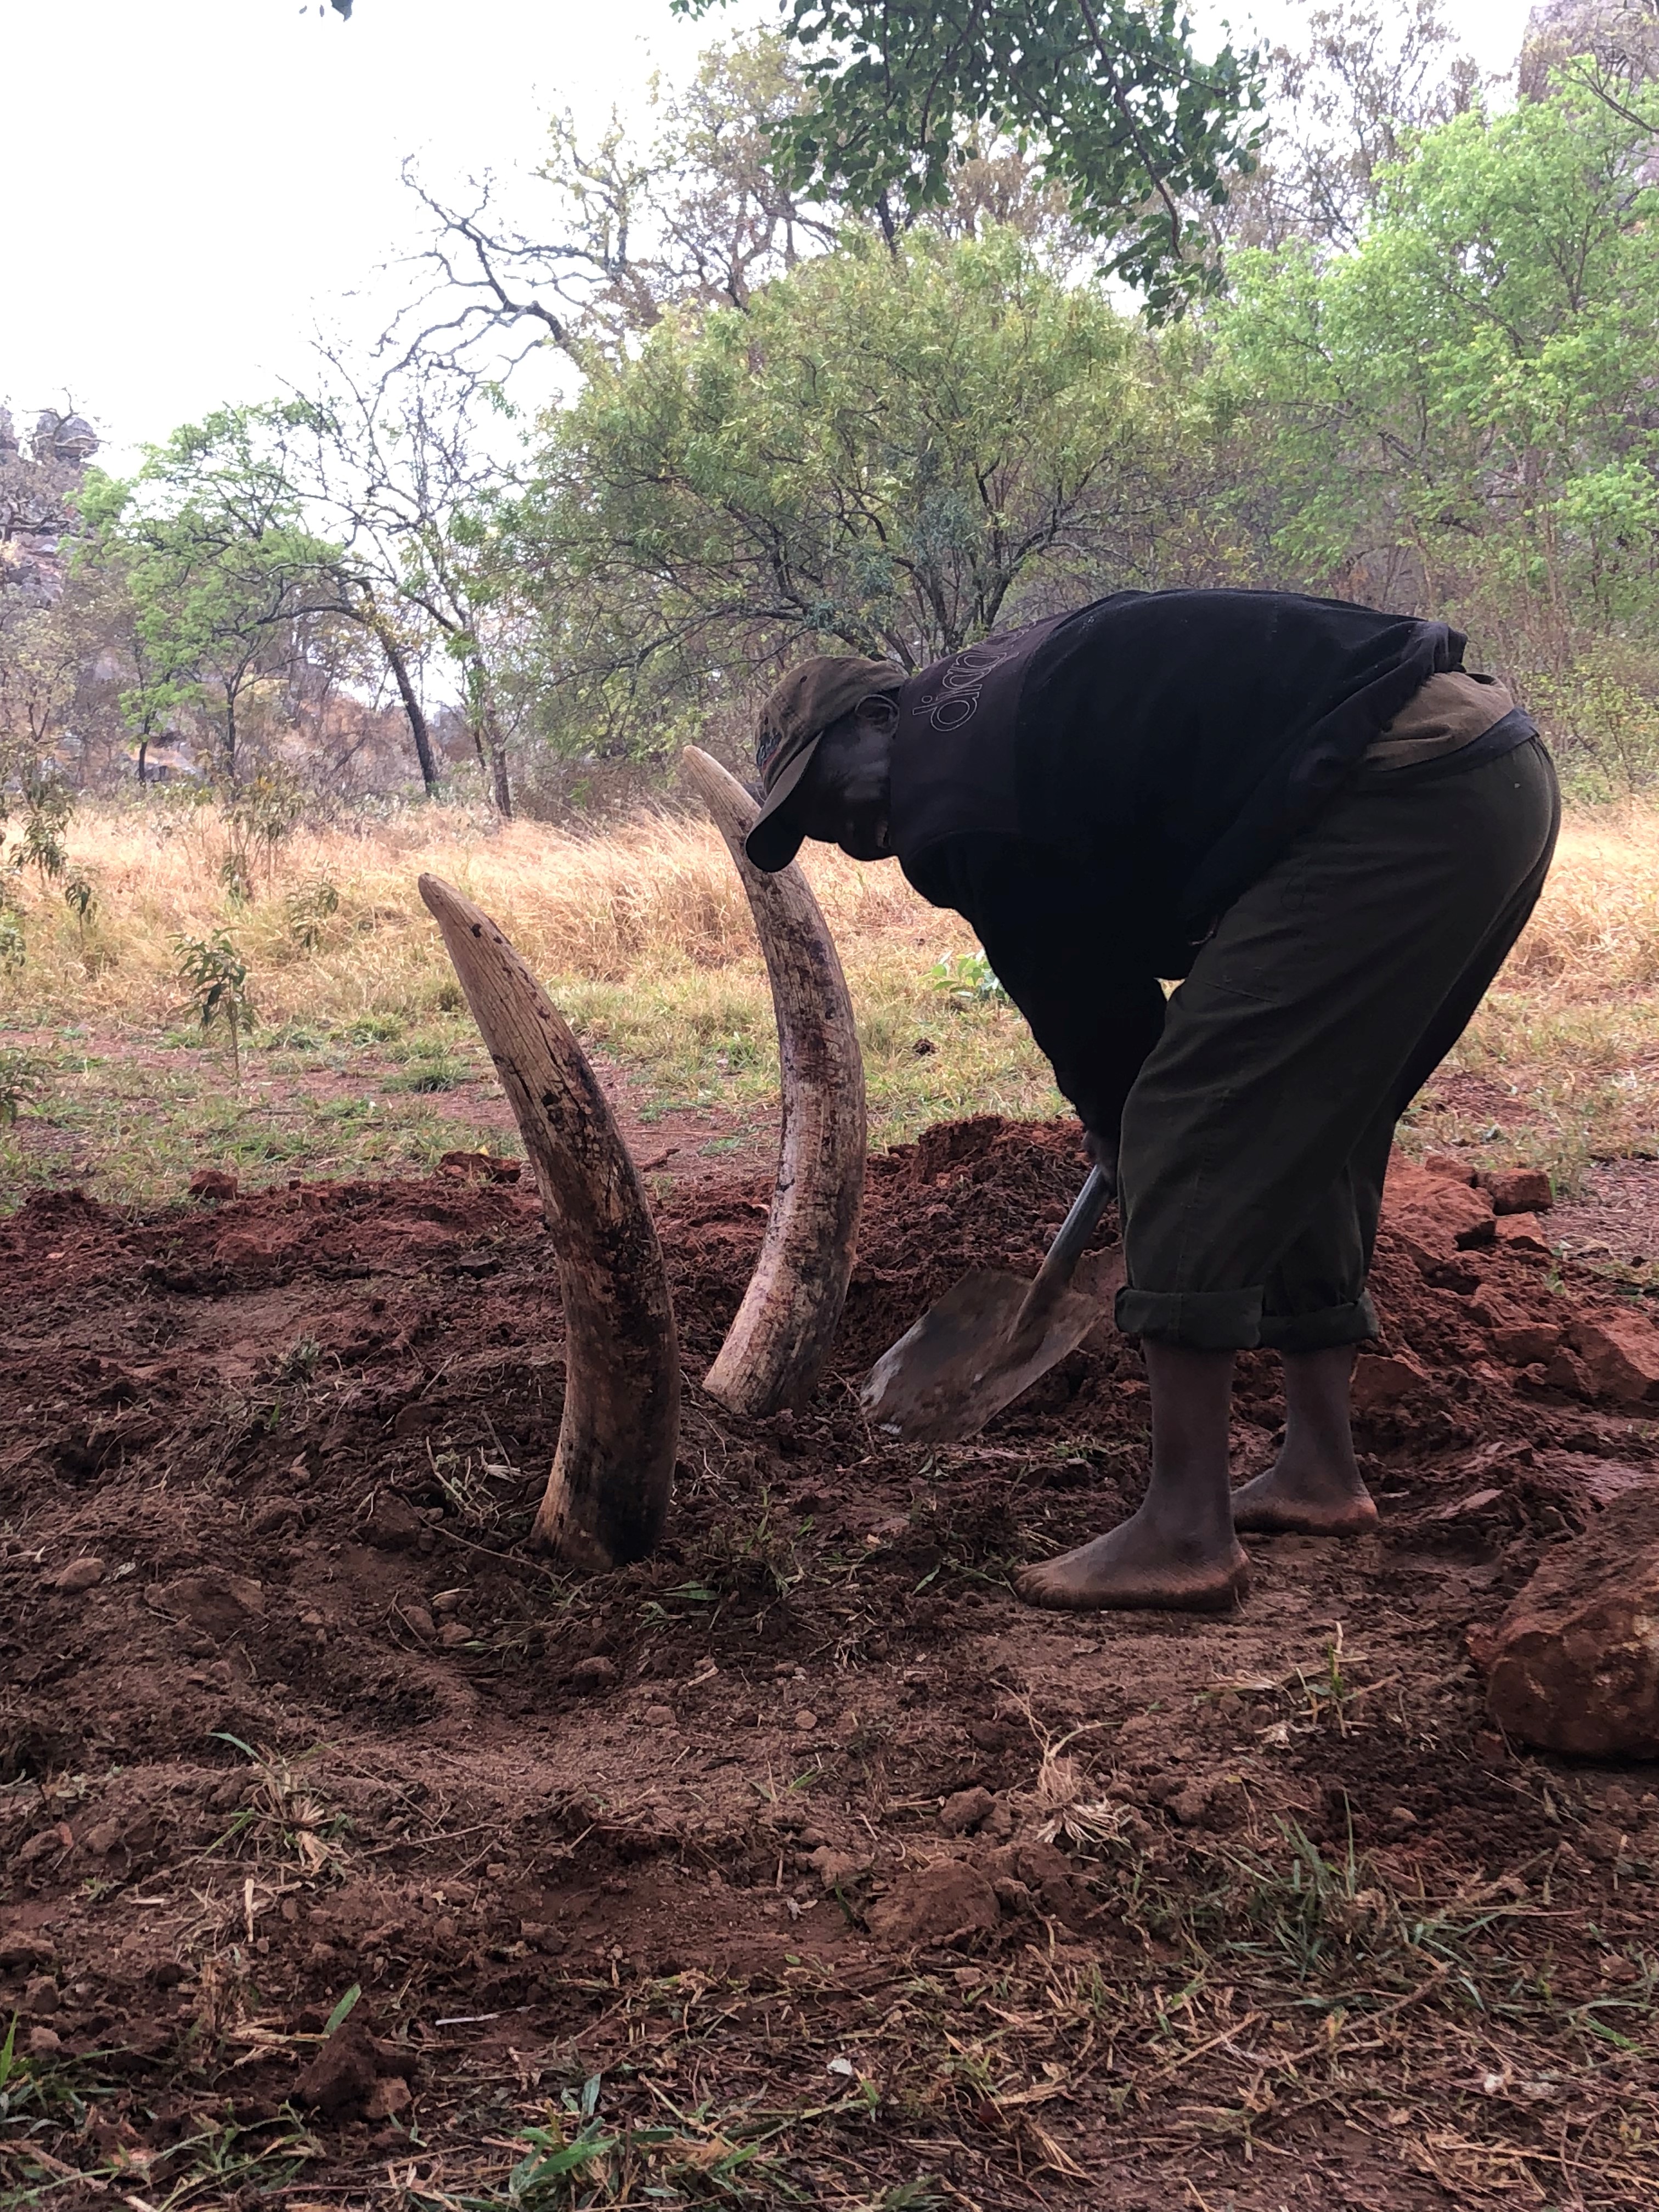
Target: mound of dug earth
{"type": "Point", "coordinates": [828, 1860]}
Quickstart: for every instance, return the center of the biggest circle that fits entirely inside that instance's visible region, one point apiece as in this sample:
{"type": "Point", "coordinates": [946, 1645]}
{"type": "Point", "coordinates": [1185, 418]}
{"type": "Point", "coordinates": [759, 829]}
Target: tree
{"type": "Point", "coordinates": [1342, 111]}
{"type": "Point", "coordinates": [395, 469]}
{"type": "Point", "coordinates": [1461, 412]}
{"type": "Point", "coordinates": [698, 216]}
{"type": "Point", "coordinates": [894, 452]}
{"type": "Point", "coordinates": [213, 551]}
{"type": "Point", "coordinates": [234, 586]}
{"type": "Point", "coordinates": [1109, 94]}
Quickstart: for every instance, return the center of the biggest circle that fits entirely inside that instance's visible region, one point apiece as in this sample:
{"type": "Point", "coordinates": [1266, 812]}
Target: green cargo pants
{"type": "Point", "coordinates": [1257, 1134]}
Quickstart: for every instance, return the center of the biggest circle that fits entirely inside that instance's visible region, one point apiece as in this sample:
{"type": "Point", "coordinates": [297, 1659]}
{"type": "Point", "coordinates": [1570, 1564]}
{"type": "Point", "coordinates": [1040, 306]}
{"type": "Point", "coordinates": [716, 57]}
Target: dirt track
{"type": "Point", "coordinates": [1286, 1925]}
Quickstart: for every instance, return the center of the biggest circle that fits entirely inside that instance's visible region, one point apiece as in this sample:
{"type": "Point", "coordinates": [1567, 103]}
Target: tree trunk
{"type": "Point", "coordinates": [502, 788]}
{"type": "Point", "coordinates": [413, 708]}
{"type": "Point", "coordinates": [144, 748]}
{"type": "Point", "coordinates": [493, 751]}
{"type": "Point", "coordinates": [487, 737]}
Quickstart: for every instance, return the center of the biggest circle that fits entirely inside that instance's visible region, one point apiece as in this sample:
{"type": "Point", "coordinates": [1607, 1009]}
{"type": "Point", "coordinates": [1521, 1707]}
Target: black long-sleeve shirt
{"type": "Point", "coordinates": [1093, 792]}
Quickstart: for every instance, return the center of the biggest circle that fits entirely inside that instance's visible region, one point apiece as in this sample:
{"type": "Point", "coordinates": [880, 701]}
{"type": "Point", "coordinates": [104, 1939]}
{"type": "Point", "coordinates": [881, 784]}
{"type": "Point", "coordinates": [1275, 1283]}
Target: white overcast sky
{"type": "Point", "coordinates": [194, 185]}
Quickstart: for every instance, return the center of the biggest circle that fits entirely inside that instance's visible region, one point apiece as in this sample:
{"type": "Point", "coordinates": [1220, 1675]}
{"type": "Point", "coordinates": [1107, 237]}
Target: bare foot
{"type": "Point", "coordinates": [1304, 1501]}
{"type": "Point", "coordinates": [1140, 1565]}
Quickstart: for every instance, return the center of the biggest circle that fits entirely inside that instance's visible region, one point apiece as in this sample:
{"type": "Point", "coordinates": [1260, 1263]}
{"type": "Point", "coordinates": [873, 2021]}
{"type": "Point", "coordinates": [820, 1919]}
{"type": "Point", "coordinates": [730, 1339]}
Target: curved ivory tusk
{"type": "Point", "coordinates": [614, 1468]}
{"type": "Point", "coordinates": [776, 1349]}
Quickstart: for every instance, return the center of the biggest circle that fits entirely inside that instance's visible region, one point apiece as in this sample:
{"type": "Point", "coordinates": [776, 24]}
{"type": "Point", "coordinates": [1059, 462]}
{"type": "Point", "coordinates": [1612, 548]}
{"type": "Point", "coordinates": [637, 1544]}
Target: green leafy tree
{"type": "Point", "coordinates": [223, 574]}
{"type": "Point", "coordinates": [1459, 413]}
{"type": "Point", "coordinates": [892, 452]}
{"type": "Point", "coordinates": [1109, 95]}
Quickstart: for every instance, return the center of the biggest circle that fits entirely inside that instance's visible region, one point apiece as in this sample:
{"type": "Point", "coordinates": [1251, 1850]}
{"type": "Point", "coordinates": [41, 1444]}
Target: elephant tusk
{"type": "Point", "coordinates": [776, 1349]}
{"type": "Point", "coordinates": [608, 1493]}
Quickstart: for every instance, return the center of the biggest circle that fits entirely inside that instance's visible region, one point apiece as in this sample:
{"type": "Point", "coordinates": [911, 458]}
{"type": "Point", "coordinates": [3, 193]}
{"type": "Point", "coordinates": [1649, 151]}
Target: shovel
{"type": "Point", "coordinates": [990, 1337]}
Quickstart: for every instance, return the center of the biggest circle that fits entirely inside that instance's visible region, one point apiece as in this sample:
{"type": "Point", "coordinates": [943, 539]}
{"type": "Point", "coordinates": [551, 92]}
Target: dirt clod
{"type": "Point", "coordinates": [1381, 1383]}
{"type": "Point", "coordinates": [78, 1575]}
{"type": "Point", "coordinates": [344, 2073]}
{"type": "Point", "coordinates": [482, 1167]}
{"type": "Point", "coordinates": [1524, 1233]}
{"type": "Point", "coordinates": [1438, 1212]}
{"type": "Point", "coordinates": [21, 1947]}
{"type": "Point", "coordinates": [392, 1525]}
{"type": "Point", "coordinates": [220, 1605]}
{"type": "Point", "coordinates": [966, 1810]}
{"type": "Point", "coordinates": [213, 1185]}
{"type": "Point", "coordinates": [390, 2095]}
{"type": "Point", "coordinates": [835, 1870]}
{"type": "Point", "coordinates": [948, 1902]}
{"type": "Point", "coordinates": [1529, 1342]}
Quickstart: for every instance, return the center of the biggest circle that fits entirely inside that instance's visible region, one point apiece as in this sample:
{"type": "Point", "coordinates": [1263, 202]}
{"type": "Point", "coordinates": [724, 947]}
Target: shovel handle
{"type": "Point", "coordinates": [1060, 1263]}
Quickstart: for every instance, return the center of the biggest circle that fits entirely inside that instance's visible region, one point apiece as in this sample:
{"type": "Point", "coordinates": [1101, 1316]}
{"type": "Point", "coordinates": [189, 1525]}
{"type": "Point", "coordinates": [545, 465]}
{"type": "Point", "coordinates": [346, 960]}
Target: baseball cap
{"type": "Point", "coordinates": [797, 711]}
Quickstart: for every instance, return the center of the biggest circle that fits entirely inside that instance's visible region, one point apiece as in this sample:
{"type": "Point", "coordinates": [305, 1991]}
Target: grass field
{"type": "Point", "coordinates": [363, 1057]}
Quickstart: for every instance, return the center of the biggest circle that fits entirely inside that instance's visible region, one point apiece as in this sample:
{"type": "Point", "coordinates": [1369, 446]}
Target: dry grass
{"type": "Point", "coordinates": [644, 937]}
{"type": "Point", "coordinates": [1597, 926]}
{"type": "Point", "coordinates": [658, 894]}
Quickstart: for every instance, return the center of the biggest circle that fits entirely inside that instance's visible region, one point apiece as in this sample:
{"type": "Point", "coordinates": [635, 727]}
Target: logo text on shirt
{"type": "Point", "coordinates": [956, 701]}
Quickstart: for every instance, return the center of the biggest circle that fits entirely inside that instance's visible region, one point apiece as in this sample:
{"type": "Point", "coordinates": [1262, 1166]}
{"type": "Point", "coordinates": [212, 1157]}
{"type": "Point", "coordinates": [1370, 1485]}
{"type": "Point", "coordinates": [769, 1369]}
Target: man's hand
{"type": "Point", "coordinates": [1102, 1150]}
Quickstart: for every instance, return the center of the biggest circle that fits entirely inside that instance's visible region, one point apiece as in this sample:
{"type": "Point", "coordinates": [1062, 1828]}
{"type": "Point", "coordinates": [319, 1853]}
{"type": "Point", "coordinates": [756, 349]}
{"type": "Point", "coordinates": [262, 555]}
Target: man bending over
{"type": "Point", "coordinates": [1312, 816]}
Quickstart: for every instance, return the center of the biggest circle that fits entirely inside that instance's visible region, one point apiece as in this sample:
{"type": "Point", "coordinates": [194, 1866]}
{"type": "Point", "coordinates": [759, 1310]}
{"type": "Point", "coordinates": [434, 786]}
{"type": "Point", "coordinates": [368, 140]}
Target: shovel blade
{"type": "Point", "coordinates": [962, 1362]}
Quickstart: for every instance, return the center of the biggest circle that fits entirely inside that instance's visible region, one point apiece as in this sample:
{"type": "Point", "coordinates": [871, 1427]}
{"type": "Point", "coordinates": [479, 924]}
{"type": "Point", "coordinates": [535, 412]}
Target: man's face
{"type": "Point", "coordinates": [842, 798]}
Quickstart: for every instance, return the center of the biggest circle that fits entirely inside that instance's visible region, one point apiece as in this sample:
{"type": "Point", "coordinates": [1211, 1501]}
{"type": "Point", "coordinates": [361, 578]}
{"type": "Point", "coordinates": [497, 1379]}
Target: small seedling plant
{"type": "Point", "coordinates": [215, 974]}
{"type": "Point", "coordinates": [967, 979]}
{"type": "Point", "coordinates": [48, 804]}
{"type": "Point", "coordinates": [309, 910]}
{"type": "Point", "coordinates": [21, 1074]}
{"type": "Point", "coordinates": [258, 816]}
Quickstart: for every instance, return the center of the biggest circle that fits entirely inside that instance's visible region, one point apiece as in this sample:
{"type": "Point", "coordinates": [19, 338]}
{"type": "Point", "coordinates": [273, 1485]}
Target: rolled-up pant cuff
{"type": "Point", "coordinates": [1320, 1331]}
{"type": "Point", "coordinates": [1232, 1321]}
{"type": "Point", "coordinates": [1202, 1321]}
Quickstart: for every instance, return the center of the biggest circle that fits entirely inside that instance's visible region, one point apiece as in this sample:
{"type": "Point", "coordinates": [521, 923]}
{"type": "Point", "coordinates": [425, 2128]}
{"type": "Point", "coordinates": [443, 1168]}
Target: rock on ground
{"type": "Point", "coordinates": [1620, 1354]}
{"type": "Point", "coordinates": [1434, 1211]}
{"type": "Point", "coordinates": [1520, 1190]}
{"type": "Point", "coordinates": [1381, 1383]}
{"type": "Point", "coordinates": [1574, 1664]}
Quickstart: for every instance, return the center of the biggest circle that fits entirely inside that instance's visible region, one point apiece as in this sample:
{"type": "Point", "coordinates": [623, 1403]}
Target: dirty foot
{"type": "Point", "coordinates": [1305, 1501]}
{"type": "Point", "coordinates": [1137, 1565]}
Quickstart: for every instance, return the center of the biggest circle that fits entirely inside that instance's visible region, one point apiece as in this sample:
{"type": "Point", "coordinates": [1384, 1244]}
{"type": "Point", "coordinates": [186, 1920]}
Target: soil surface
{"type": "Point", "coordinates": [799, 1864]}
{"type": "Point", "coordinates": [1616, 1217]}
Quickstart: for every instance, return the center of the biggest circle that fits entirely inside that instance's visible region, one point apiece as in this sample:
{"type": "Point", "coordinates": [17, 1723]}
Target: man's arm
{"type": "Point", "coordinates": [1052, 933]}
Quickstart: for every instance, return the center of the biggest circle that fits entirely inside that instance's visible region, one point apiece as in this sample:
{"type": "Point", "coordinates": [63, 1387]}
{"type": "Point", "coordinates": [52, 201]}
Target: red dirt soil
{"type": "Point", "coordinates": [320, 1722]}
